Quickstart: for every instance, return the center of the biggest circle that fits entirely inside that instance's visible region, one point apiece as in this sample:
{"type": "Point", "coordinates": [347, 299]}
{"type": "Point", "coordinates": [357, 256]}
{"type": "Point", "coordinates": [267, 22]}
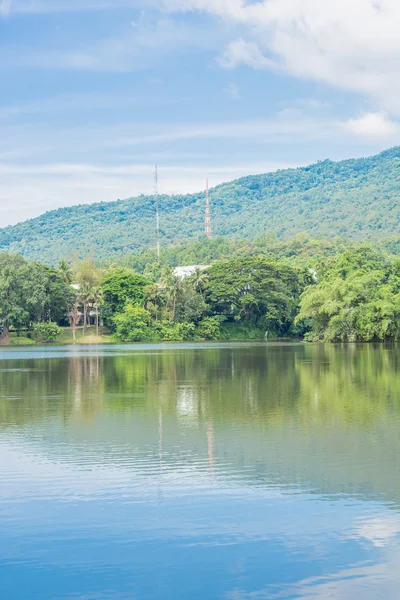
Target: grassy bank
{"type": "Point", "coordinates": [229, 332]}
{"type": "Point", "coordinates": [87, 338]}
{"type": "Point", "coordinates": [20, 341]}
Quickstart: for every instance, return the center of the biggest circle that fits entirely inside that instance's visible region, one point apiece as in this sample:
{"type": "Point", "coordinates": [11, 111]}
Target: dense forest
{"type": "Point", "coordinates": [355, 199]}
{"type": "Point", "coordinates": [308, 290]}
{"type": "Point", "coordinates": [301, 250]}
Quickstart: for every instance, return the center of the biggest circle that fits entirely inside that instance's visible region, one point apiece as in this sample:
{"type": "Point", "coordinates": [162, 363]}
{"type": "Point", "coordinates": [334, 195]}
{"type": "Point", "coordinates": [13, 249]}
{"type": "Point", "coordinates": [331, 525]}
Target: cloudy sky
{"type": "Point", "coordinates": [95, 92]}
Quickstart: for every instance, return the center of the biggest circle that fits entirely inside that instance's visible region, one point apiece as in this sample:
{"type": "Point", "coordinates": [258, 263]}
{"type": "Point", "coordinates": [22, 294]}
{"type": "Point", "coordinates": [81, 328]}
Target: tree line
{"type": "Point", "coordinates": [350, 296]}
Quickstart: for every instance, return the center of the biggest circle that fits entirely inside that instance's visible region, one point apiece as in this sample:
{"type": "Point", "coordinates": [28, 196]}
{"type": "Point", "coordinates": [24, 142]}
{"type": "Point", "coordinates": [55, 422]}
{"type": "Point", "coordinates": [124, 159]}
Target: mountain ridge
{"type": "Point", "coordinates": [354, 198]}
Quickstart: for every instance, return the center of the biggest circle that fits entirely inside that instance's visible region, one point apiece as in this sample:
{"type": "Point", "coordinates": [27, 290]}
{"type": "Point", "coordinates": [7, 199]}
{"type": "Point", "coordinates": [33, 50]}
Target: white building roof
{"type": "Point", "coordinates": [184, 272]}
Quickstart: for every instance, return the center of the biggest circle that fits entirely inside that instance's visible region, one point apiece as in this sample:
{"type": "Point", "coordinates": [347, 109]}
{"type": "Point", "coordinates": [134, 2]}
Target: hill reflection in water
{"type": "Point", "coordinates": [235, 470]}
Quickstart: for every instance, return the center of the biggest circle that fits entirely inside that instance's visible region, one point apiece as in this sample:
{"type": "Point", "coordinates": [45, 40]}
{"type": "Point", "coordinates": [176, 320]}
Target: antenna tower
{"type": "Point", "coordinates": [207, 224]}
{"type": "Point", "coordinates": [157, 199]}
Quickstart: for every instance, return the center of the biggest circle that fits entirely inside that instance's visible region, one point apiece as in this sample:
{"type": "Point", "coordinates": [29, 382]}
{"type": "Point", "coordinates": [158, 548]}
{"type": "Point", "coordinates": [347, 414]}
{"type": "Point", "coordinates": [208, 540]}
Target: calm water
{"type": "Point", "coordinates": [241, 471]}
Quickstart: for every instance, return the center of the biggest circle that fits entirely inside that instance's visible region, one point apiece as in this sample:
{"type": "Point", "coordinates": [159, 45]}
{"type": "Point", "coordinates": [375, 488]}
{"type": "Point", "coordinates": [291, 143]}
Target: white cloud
{"type": "Point", "coordinates": [312, 103]}
{"type": "Point", "coordinates": [373, 126]}
{"type": "Point", "coordinates": [5, 7]}
{"type": "Point", "coordinates": [351, 45]}
{"type": "Point", "coordinates": [379, 530]}
{"type": "Point", "coordinates": [241, 52]}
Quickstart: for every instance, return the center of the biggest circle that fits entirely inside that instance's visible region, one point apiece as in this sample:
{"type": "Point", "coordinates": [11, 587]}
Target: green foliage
{"type": "Point", "coordinates": [209, 329]}
{"type": "Point", "coordinates": [29, 292]}
{"type": "Point", "coordinates": [46, 332]}
{"type": "Point", "coordinates": [300, 250]}
{"type": "Point", "coordinates": [120, 287]}
{"type": "Point", "coordinates": [190, 305]}
{"type": "Point", "coordinates": [12, 301]}
{"type": "Point", "coordinates": [65, 271]}
{"type": "Point", "coordinates": [349, 296]}
{"type": "Point", "coordinates": [356, 199]}
{"type": "Point", "coordinates": [166, 331]}
{"type": "Point", "coordinates": [241, 331]}
{"type": "Point", "coordinates": [58, 294]}
{"type": "Point", "coordinates": [133, 324]}
{"type": "Point", "coordinates": [357, 299]}
{"type": "Point", "coordinates": [257, 291]}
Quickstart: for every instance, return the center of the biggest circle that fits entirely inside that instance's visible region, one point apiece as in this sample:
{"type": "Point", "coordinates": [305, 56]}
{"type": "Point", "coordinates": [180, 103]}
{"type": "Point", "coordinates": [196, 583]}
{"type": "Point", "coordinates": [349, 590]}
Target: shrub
{"type": "Point", "coordinates": [132, 325]}
{"type": "Point", "coordinates": [166, 331]}
{"type": "Point", "coordinates": [209, 328]}
{"type": "Point", "coordinates": [46, 332]}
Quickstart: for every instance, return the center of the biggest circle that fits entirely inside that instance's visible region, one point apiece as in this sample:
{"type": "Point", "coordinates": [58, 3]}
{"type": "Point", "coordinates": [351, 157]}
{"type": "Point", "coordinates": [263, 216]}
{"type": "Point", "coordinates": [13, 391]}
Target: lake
{"type": "Point", "coordinates": [212, 471]}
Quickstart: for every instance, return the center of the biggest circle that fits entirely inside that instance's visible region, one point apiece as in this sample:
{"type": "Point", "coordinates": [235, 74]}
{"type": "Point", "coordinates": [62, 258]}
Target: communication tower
{"type": "Point", "coordinates": [207, 224]}
{"type": "Point", "coordinates": [157, 201]}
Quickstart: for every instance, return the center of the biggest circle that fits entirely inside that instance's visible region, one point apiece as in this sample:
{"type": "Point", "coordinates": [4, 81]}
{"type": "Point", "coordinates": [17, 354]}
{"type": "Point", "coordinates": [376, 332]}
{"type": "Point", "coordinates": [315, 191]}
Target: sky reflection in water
{"type": "Point", "coordinates": [225, 471]}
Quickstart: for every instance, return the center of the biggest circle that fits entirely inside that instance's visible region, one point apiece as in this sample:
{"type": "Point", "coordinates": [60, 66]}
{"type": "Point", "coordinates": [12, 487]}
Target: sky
{"type": "Point", "coordinates": [94, 93]}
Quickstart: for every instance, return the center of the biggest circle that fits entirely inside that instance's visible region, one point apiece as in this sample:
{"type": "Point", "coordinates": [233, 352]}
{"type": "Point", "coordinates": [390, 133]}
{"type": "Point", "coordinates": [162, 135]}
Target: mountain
{"type": "Point", "coordinates": [357, 199]}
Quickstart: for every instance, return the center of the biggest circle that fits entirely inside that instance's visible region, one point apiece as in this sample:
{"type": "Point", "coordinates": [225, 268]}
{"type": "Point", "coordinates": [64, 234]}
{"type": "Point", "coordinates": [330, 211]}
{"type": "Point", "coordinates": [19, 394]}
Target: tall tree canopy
{"type": "Point", "coordinates": [122, 286]}
{"type": "Point", "coordinates": [357, 299]}
{"type": "Point", "coordinates": [29, 292]}
{"type": "Point", "coordinates": [256, 290]}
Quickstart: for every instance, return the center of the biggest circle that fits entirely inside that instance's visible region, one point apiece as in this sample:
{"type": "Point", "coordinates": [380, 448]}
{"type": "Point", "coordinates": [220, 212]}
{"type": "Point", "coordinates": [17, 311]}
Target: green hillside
{"type": "Point", "coordinates": [357, 199]}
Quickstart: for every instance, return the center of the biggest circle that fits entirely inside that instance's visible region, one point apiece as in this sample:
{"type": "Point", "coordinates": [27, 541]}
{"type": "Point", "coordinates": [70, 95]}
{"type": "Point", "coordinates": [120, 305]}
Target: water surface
{"type": "Point", "coordinates": [232, 471]}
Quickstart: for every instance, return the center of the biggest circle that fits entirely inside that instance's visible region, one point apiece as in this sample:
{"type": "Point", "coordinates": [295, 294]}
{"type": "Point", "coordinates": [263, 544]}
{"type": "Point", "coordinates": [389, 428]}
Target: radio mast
{"type": "Point", "coordinates": [207, 223]}
{"type": "Point", "coordinates": [157, 201]}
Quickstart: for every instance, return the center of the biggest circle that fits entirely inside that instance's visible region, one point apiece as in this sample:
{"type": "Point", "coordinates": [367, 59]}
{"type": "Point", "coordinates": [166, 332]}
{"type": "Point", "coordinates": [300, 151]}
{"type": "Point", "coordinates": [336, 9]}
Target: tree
{"type": "Point", "coordinates": [154, 300]}
{"type": "Point", "coordinates": [122, 286]}
{"type": "Point", "coordinates": [86, 272]}
{"type": "Point", "coordinates": [173, 288]}
{"type": "Point", "coordinates": [29, 293]}
{"type": "Point", "coordinates": [57, 295]}
{"type": "Point", "coordinates": [256, 291]}
{"type": "Point", "coordinates": [132, 325]}
{"type": "Point", "coordinates": [66, 272]}
{"type": "Point", "coordinates": [74, 314]}
{"type": "Point", "coordinates": [46, 332]}
{"type": "Point", "coordinates": [189, 303]}
{"type": "Point", "coordinates": [86, 297]}
{"type": "Point", "coordinates": [98, 299]}
{"type": "Point", "coordinates": [199, 279]}
{"type": "Point", "coordinates": [12, 301]}
{"type": "Point", "coordinates": [209, 328]}
{"type": "Point", "coordinates": [357, 299]}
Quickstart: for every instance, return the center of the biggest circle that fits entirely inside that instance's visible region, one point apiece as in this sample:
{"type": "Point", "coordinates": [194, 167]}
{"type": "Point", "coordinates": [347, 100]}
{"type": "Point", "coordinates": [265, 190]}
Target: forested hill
{"type": "Point", "coordinates": [357, 199]}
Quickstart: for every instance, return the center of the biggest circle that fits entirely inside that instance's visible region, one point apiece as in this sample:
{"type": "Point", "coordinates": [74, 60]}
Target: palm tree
{"type": "Point", "coordinates": [173, 287]}
{"type": "Point", "coordinates": [74, 315]}
{"type": "Point", "coordinates": [153, 298]}
{"type": "Point", "coordinates": [65, 271]}
{"type": "Point", "coordinates": [199, 279]}
{"type": "Point", "coordinates": [98, 299]}
{"type": "Point", "coordinates": [86, 296]}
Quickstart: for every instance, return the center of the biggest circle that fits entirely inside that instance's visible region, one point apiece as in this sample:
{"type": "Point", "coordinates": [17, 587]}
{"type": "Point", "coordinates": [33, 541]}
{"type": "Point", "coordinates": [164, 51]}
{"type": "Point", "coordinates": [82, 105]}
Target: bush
{"type": "Point", "coordinates": [166, 331]}
{"type": "Point", "coordinates": [46, 332]}
{"type": "Point", "coordinates": [209, 328]}
{"type": "Point", "coordinates": [241, 331]}
{"type": "Point", "coordinates": [132, 325]}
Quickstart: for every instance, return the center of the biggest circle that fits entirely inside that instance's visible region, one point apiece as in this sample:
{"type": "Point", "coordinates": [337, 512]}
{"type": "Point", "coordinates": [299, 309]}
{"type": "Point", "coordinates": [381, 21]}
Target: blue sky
{"type": "Point", "coordinates": [95, 92]}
